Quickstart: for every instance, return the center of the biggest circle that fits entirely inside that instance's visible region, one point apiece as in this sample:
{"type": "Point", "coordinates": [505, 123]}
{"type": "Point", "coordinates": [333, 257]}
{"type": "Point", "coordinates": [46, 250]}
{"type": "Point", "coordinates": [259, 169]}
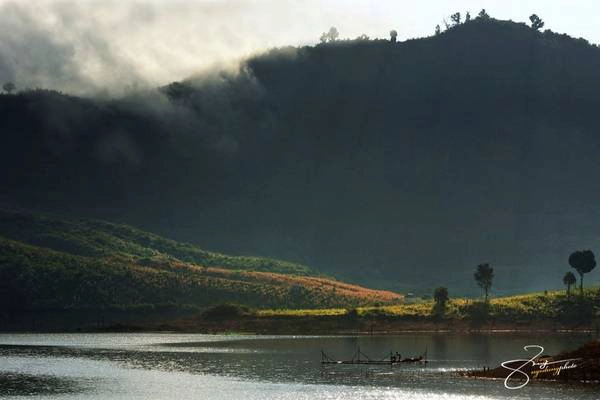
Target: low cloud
{"type": "Point", "coordinates": [115, 47]}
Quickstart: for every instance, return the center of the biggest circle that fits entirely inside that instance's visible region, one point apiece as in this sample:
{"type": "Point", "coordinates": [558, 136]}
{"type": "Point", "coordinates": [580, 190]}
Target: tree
{"type": "Point", "coordinates": [484, 276]}
{"type": "Point", "coordinates": [393, 35]}
{"type": "Point", "coordinates": [569, 280]}
{"type": "Point", "coordinates": [483, 15]}
{"type": "Point", "coordinates": [536, 22]}
{"type": "Point", "coordinates": [333, 34]}
{"type": "Point", "coordinates": [438, 30]}
{"type": "Point", "coordinates": [468, 17]}
{"type": "Point", "coordinates": [330, 36]}
{"type": "Point", "coordinates": [583, 261]}
{"type": "Point", "coordinates": [9, 87]}
{"type": "Point", "coordinates": [455, 18]}
{"type": "Point", "coordinates": [440, 296]}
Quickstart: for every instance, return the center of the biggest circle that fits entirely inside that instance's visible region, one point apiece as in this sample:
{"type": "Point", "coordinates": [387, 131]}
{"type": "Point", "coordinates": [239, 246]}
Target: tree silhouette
{"type": "Point", "coordinates": [569, 280]}
{"type": "Point", "coordinates": [438, 30]}
{"type": "Point", "coordinates": [536, 22]}
{"type": "Point", "coordinates": [440, 296]}
{"type": "Point", "coordinates": [483, 15]}
{"type": "Point", "coordinates": [468, 17]}
{"type": "Point", "coordinates": [484, 276]}
{"type": "Point", "coordinates": [330, 36]}
{"type": "Point", "coordinates": [333, 34]}
{"type": "Point", "coordinates": [583, 261]}
{"type": "Point", "coordinates": [393, 35]}
{"type": "Point", "coordinates": [455, 18]}
{"type": "Point", "coordinates": [8, 87]}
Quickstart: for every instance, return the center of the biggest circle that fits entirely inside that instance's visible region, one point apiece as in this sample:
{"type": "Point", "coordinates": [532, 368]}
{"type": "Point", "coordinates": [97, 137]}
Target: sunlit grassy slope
{"type": "Point", "coordinates": [526, 306]}
{"type": "Point", "coordinates": [53, 263]}
{"type": "Point", "coordinates": [96, 238]}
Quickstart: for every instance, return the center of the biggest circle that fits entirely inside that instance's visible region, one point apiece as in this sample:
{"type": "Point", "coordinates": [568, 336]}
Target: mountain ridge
{"type": "Point", "coordinates": [406, 164]}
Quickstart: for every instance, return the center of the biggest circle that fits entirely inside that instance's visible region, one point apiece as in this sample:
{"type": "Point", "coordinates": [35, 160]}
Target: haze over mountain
{"type": "Point", "coordinates": [401, 165]}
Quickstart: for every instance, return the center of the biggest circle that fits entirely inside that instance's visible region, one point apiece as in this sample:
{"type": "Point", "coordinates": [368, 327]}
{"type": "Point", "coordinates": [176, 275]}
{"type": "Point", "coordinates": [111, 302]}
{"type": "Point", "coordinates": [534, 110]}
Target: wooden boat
{"type": "Point", "coordinates": [366, 360]}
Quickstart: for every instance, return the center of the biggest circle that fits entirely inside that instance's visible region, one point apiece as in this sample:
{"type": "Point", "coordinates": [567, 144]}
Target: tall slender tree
{"type": "Point", "coordinates": [583, 262]}
{"type": "Point", "coordinates": [569, 280]}
{"type": "Point", "coordinates": [484, 275]}
{"type": "Point", "coordinates": [440, 296]}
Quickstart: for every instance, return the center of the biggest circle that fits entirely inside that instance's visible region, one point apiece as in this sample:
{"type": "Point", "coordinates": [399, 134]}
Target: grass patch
{"type": "Point", "coordinates": [51, 263]}
{"type": "Point", "coordinates": [552, 304]}
{"type": "Point", "coordinates": [323, 312]}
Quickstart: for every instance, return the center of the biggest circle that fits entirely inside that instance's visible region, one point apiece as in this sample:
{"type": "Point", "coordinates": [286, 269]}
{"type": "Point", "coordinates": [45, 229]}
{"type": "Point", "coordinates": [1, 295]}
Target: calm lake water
{"type": "Point", "coordinates": [194, 366]}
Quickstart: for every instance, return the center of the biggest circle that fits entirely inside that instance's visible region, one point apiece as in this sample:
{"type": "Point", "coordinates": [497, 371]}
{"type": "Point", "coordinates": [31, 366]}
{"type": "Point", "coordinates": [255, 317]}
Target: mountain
{"type": "Point", "coordinates": [52, 264]}
{"type": "Point", "coordinates": [399, 165]}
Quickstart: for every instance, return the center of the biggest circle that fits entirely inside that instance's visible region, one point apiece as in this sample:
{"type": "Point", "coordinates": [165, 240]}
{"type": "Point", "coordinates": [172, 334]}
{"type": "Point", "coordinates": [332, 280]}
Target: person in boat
{"type": "Point", "coordinates": [392, 359]}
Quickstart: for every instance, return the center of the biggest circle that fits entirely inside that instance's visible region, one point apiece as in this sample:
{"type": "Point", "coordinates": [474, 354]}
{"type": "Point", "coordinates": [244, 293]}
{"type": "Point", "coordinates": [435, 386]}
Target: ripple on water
{"type": "Point", "coordinates": [153, 366]}
{"type": "Point", "coordinates": [17, 384]}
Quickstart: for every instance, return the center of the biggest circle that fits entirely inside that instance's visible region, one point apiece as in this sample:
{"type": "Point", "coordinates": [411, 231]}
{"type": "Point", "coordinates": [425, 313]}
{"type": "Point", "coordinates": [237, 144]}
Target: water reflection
{"type": "Point", "coordinates": [221, 367]}
{"type": "Point", "coordinates": [15, 384]}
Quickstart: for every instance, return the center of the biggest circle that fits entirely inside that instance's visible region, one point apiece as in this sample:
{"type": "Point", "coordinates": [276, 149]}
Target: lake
{"type": "Point", "coordinates": [196, 366]}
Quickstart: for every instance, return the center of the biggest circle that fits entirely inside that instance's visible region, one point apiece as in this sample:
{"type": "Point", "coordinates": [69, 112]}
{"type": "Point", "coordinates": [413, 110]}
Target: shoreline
{"type": "Point", "coordinates": [291, 325]}
{"type": "Point", "coordinates": [581, 365]}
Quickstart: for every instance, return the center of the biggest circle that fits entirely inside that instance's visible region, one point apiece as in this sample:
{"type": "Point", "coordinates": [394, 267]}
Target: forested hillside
{"type": "Point", "coordinates": [49, 264]}
{"type": "Point", "coordinates": [401, 165]}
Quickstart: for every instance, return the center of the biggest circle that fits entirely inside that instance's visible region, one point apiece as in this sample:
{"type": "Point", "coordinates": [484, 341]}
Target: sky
{"type": "Point", "coordinates": [90, 47]}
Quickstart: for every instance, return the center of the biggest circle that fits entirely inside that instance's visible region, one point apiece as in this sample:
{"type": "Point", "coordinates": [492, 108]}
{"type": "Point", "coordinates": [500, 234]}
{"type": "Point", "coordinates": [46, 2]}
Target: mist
{"type": "Point", "coordinates": [118, 47]}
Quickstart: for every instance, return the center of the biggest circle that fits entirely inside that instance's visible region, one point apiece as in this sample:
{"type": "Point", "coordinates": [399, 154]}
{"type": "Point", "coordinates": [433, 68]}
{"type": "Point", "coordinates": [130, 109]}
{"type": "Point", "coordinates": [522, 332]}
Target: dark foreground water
{"type": "Point", "coordinates": [193, 366]}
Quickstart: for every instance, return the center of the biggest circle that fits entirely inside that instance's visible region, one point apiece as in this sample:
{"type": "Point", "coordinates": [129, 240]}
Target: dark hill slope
{"type": "Point", "coordinates": [405, 164]}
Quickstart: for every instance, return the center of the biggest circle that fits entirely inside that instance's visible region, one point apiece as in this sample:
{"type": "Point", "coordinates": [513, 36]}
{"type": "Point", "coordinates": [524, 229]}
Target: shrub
{"type": "Point", "coordinates": [352, 313]}
{"type": "Point", "coordinates": [226, 311]}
